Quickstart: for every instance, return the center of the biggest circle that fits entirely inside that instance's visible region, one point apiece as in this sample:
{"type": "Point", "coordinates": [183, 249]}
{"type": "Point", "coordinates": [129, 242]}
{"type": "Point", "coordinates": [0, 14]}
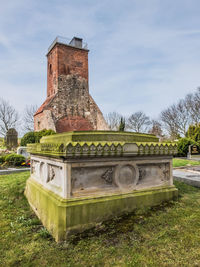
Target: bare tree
{"type": "Point", "coordinates": [113, 120]}
{"type": "Point", "coordinates": [176, 119]}
{"type": "Point", "coordinates": [156, 128]}
{"type": "Point", "coordinates": [8, 116]}
{"type": "Point", "coordinates": [29, 117]}
{"type": "Point", "coordinates": [138, 122]}
{"type": "Point", "coordinates": [193, 106]}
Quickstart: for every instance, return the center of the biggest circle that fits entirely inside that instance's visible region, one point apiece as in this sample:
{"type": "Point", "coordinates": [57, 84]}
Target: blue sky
{"type": "Point", "coordinates": [144, 54]}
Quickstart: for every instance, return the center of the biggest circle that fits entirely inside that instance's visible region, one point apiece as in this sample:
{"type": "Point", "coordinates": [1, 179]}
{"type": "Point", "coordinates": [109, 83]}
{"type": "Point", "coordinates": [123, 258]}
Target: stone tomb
{"type": "Point", "coordinates": [79, 179]}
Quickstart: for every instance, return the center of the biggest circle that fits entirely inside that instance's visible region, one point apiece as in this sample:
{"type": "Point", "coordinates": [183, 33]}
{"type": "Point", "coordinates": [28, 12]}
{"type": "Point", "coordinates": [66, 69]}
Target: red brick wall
{"type": "Point", "coordinates": [74, 123]}
{"type": "Point", "coordinates": [64, 60]}
{"type": "Point", "coordinates": [52, 72]}
{"type": "Point", "coordinates": [69, 106]}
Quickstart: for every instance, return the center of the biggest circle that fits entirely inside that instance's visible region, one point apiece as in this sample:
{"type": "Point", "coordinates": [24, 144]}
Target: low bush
{"type": "Point", "coordinates": [34, 137]}
{"type": "Point", "coordinates": [183, 146]}
{"type": "Point", "coordinates": [14, 159]}
{"type": "Point", "coordinates": [28, 138]}
{"type": "Point", "coordinates": [2, 159]}
{"type": "Point", "coordinates": [40, 134]}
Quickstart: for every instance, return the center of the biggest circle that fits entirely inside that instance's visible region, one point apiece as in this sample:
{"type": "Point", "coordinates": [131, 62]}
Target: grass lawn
{"type": "Point", "coordinates": [184, 162]}
{"type": "Point", "coordinates": [168, 235]}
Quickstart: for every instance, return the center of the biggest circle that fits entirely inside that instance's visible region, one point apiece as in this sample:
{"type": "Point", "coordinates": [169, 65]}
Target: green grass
{"type": "Point", "coordinates": [163, 236]}
{"type": "Point", "coordinates": [184, 162]}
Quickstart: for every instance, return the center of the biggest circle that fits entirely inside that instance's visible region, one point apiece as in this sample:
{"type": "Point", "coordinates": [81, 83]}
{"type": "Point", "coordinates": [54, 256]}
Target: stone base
{"type": "Point", "coordinates": [63, 217]}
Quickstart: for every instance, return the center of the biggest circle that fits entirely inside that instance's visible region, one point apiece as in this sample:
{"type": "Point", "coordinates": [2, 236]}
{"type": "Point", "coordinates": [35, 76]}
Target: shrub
{"type": "Point", "coordinates": [183, 146]}
{"type": "Point", "coordinates": [193, 132]}
{"type": "Point", "coordinates": [28, 138]}
{"type": "Point", "coordinates": [2, 159]}
{"type": "Point", "coordinates": [40, 134]}
{"type": "Point", "coordinates": [34, 137]}
{"type": "Point", "coordinates": [14, 159]}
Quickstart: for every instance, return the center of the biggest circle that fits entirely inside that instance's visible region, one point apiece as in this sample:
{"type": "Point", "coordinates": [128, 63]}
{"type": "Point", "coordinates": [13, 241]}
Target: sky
{"type": "Point", "coordinates": [144, 54]}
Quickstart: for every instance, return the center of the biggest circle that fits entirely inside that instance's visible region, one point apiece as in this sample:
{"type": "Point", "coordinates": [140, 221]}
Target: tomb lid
{"type": "Point", "coordinates": [96, 136]}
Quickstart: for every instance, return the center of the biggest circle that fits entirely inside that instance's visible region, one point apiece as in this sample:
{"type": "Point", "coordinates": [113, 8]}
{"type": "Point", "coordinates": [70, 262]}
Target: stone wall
{"type": "Point", "coordinates": [71, 108]}
{"type": "Point", "coordinates": [64, 60]}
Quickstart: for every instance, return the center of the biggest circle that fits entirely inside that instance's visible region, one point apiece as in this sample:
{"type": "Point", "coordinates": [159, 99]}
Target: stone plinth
{"type": "Point", "coordinates": [81, 178]}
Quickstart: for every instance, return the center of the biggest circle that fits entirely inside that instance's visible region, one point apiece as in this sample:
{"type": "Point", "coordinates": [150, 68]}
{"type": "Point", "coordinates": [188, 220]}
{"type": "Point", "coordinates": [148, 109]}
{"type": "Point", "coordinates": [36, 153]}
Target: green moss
{"type": "Point", "coordinates": [103, 148]}
{"type": "Point", "coordinates": [63, 217]}
{"type": "Point", "coordinates": [98, 136]}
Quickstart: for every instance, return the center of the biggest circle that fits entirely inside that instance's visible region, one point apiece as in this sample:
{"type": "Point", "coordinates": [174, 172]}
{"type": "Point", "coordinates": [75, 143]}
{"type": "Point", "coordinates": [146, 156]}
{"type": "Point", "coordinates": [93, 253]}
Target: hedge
{"type": "Point", "coordinates": [34, 137]}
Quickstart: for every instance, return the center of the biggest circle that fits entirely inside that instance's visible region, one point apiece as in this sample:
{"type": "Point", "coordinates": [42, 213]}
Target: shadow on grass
{"type": "Point", "coordinates": [115, 230]}
{"type": "Point", "coordinates": [185, 188]}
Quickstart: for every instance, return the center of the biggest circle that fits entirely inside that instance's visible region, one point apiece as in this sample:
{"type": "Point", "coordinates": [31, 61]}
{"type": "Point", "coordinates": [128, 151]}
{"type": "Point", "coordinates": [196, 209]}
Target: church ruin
{"type": "Point", "coordinates": [68, 106]}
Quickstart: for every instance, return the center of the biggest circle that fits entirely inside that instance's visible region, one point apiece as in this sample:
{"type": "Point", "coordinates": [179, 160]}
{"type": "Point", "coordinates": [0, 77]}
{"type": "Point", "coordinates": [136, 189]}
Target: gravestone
{"type": "Point", "coordinates": [193, 152]}
{"type": "Point", "coordinates": [11, 139]}
{"type": "Point", "coordinates": [22, 150]}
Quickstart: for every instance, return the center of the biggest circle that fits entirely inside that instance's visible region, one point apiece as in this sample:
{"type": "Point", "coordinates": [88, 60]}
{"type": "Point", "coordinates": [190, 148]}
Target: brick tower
{"type": "Point", "coordinates": [68, 106]}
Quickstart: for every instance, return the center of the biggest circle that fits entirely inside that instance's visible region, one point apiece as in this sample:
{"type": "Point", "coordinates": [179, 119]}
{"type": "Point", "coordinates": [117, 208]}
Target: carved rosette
{"type": "Point", "coordinates": [126, 176]}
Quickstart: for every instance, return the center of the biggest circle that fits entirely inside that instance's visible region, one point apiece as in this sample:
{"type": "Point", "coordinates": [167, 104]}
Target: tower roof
{"type": "Point", "coordinates": [76, 42]}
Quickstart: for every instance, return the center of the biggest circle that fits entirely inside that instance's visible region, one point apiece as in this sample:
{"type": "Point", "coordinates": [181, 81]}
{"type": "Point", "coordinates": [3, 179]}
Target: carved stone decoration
{"type": "Point", "coordinates": [108, 176]}
{"type": "Point", "coordinates": [99, 149]}
{"type": "Point", "coordinates": [61, 148]}
{"type": "Point", "coordinates": [166, 149]}
{"type": "Point", "coordinates": [85, 148]}
{"type": "Point", "coordinates": [126, 176]}
{"type": "Point", "coordinates": [170, 150]}
{"type": "Point", "coordinates": [51, 174]}
{"type": "Point", "coordinates": [32, 166]}
{"type": "Point", "coordinates": [161, 150]}
{"type": "Point", "coordinates": [157, 149]}
{"type": "Point", "coordinates": [166, 172]}
{"type": "Point", "coordinates": [70, 149]}
{"type": "Point", "coordinates": [146, 149]}
{"type": "Point", "coordinates": [42, 171]}
{"type": "Point", "coordinates": [92, 179]}
{"type": "Point", "coordinates": [106, 149]}
{"type": "Point", "coordinates": [153, 174]}
{"type": "Point", "coordinates": [142, 173]}
{"type": "Point", "coordinates": [112, 148]}
{"type": "Point", "coordinates": [92, 149]}
{"type": "Point", "coordinates": [141, 149]}
{"type": "Point", "coordinates": [119, 149]}
{"type": "Point", "coordinates": [35, 168]}
{"type": "Point", "coordinates": [77, 149]}
{"type": "Point", "coordinates": [151, 149]}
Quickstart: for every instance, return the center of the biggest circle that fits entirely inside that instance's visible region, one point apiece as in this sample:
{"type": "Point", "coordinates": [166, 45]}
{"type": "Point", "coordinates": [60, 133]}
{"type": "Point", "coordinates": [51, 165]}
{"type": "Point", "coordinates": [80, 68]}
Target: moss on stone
{"type": "Point", "coordinates": [63, 217]}
{"type": "Point", "coordinates": [96, 136]}
{"type": "Point", "coordinates": [100, 148]}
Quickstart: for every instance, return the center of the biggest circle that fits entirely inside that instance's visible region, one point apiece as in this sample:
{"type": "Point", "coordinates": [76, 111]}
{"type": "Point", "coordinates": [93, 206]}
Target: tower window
{"type": "Point", "coordinates": [50, 68]}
